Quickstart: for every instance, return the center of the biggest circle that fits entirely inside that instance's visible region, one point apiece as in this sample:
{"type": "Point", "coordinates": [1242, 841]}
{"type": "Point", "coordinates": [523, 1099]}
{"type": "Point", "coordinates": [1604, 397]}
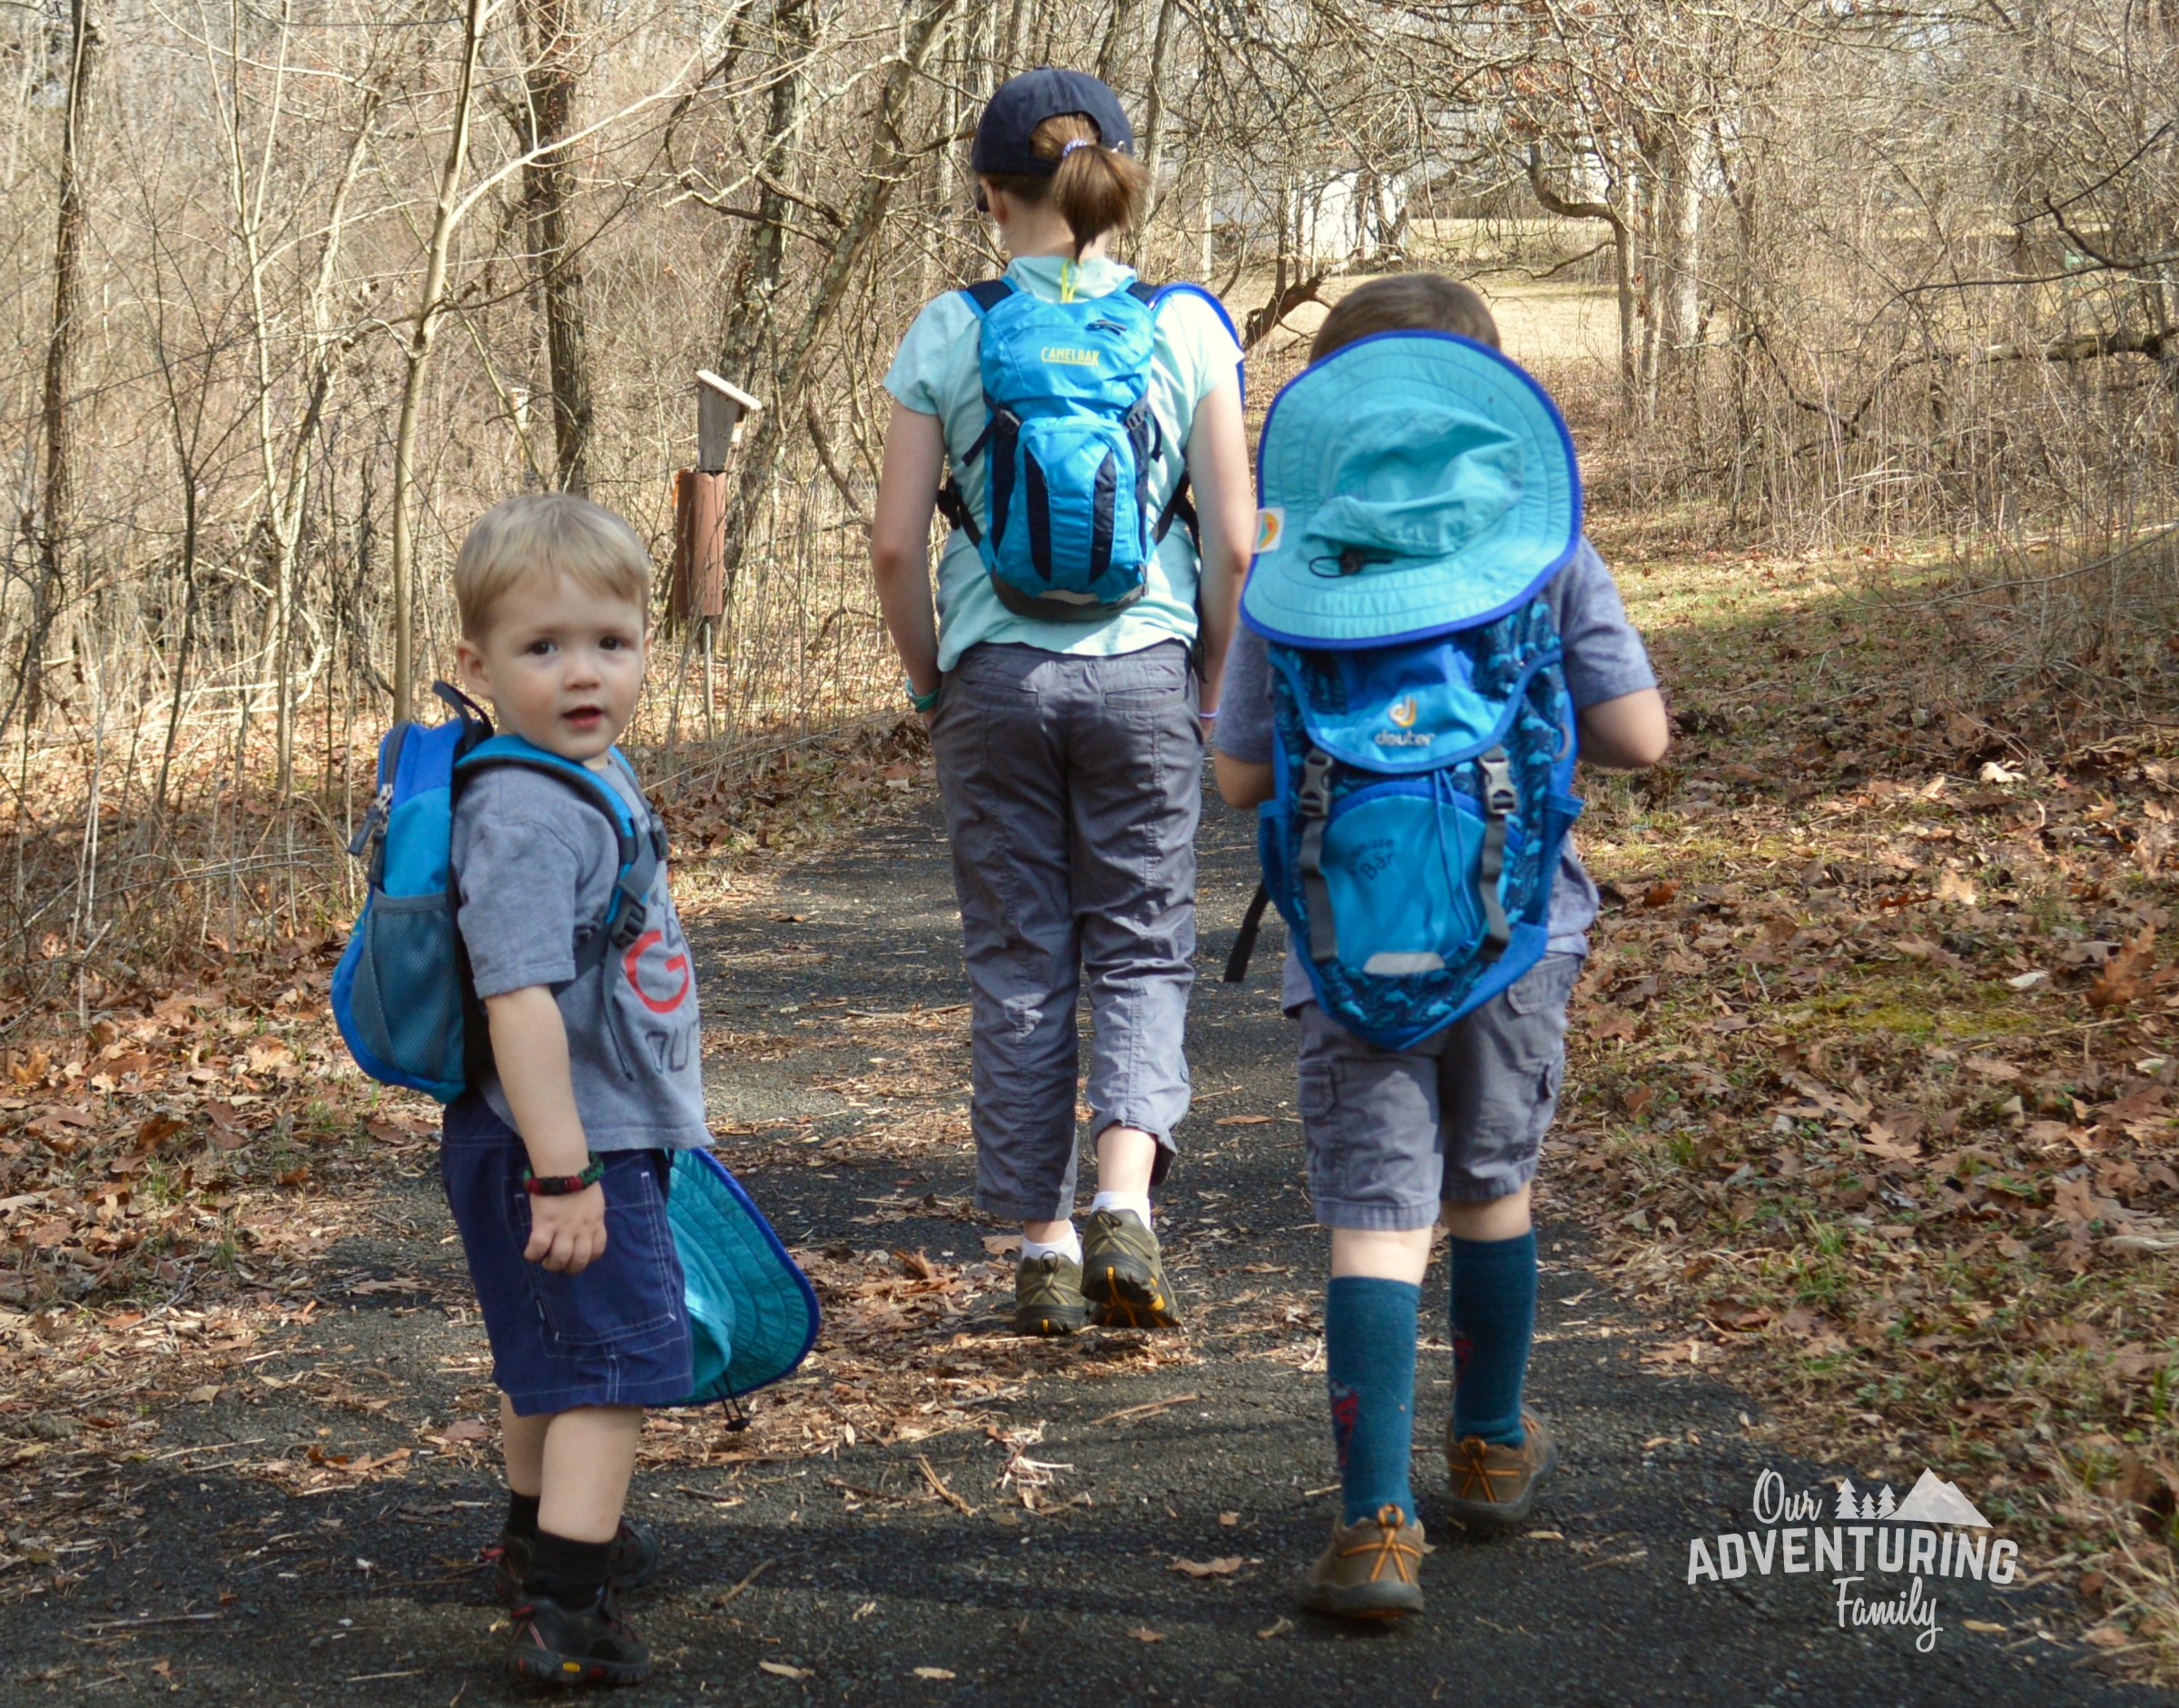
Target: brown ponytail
{"type": "Point", "coordinates": [1096, 189]}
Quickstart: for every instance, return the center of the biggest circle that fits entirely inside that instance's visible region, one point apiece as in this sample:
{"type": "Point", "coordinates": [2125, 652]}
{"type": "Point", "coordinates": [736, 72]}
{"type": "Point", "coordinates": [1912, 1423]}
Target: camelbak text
{"type": "Point", "coordinates": [1071, 357]}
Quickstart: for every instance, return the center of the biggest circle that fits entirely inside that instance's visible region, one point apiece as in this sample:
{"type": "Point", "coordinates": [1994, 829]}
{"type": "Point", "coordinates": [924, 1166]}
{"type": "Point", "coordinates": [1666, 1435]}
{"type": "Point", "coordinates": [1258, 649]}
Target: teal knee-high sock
{"type": "Point", "coordinates": [1370, 1368]}
{"type": "Point", "coordinates": [1493, 1311]}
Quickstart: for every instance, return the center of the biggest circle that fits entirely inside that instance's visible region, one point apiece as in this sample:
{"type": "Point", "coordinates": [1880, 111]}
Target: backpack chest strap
{"type": "Point", "coordinates": [1313, 803]}
{"type": "Point", "coordinates": [1499, 801]}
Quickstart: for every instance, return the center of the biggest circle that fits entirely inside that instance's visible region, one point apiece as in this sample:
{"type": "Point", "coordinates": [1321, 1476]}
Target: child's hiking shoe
{"type": "Point", "coordinates": [635, 1560]}
{"type": "Point", "coordinates": [1494, 1487]}
{"type": "Point", "coordinates": [556, 1644]}
{"type": "Point", "coordinates": [1048, 1296]}
{"type": "Point", "coordinates": [1123, 1276]}
{"type": "Point", "coordinates": [1371, 1571]}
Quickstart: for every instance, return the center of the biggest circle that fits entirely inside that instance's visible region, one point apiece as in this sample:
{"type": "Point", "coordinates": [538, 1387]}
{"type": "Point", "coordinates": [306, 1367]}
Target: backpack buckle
{"type": "Point", "coordinates": [630, 923]}
{"type": "Point", "coordinates": [1314, 797]}
{"type": "Point", "coordinates": [1499, 796]}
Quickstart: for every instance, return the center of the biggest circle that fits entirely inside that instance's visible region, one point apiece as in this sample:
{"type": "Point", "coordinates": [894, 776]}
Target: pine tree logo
{"type": "Point", "coordinates": [1847, 1506]}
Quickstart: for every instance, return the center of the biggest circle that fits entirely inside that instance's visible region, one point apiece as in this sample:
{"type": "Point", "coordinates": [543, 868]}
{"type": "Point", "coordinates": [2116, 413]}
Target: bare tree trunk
{"type": "Point", "coordinates": [751, 323]}
{"type": "Point", "coordinates": [1622, 256]}
{"type": "Point", "coordinates": [1153, 108]}
{"type": "Point", "coordinates": [548, 36]}
{"type": "Point", "coordinates": [85, 35]}
{"type": "Point", "coordinates": [430, 305]}
{"type": "Point", "coordinates": [1114, 56]}
{"type": "Point", "coordinates": [888, 165]}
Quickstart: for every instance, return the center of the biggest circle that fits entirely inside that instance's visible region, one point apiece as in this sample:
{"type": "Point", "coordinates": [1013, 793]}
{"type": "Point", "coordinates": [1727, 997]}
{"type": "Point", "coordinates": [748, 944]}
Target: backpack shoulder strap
{"type": "Point", "coordinates": [986, 294]}
{"type": "Point", "coordinates": [983, 296]}
{"type": "Point", "coordinates": [638, 850]}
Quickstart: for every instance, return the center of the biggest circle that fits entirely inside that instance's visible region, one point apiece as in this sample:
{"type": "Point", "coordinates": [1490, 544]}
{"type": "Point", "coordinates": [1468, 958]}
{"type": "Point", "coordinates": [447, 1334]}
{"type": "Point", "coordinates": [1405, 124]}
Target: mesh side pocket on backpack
{"type": "Point", "coordinates": [408, 987]}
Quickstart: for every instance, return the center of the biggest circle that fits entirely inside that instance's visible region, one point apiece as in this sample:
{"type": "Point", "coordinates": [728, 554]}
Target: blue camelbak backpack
{"type": "Point", "coordinates": [403, 997]}
{"type": "Point", "coordinates": [1419, 492]}
{"type": "Point", "coordinates": [1068, 443]}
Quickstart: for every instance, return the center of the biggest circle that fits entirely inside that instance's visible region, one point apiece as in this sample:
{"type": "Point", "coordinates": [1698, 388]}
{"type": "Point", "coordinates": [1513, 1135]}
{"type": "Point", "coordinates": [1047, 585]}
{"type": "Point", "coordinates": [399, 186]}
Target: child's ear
{"type": "Point", "coordinates": [469, 661]}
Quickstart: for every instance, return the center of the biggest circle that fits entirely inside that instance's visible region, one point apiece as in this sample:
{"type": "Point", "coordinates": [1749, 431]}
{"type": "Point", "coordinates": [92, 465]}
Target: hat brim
{"type": "Point", "coordinates": [1289, 600]}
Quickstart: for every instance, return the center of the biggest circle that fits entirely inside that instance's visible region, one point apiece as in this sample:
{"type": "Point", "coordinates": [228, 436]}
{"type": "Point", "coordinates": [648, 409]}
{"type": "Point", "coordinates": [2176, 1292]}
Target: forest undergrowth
{"type": "Point", "coordinates": [1874, 1066]}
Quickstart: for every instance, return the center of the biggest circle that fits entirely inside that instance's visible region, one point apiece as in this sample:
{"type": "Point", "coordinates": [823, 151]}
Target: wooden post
{"type": "Point", "coordinates": [697, 597]}
{"type": "Point", "coordinates": [720, 406]}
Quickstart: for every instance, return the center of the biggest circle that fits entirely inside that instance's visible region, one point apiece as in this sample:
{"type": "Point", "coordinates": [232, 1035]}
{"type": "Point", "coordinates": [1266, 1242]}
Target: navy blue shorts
{"type": "Point", "coordinates": [616, 1334]}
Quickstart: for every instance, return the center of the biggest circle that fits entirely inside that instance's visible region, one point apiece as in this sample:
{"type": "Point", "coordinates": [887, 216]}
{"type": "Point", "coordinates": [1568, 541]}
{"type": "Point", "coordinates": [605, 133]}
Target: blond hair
{"type": "Point", "coordinates": [548, 532]}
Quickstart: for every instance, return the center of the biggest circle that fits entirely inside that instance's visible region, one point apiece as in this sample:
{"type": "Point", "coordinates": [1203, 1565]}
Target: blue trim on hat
{"type": "Point", "coordinates": [1498, 357]}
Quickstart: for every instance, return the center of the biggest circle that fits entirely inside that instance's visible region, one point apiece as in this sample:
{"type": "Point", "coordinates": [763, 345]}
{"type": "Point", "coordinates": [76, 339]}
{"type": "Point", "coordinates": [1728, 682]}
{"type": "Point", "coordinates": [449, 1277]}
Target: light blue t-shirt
{"type": "Point", "coordinates": [936, 372]}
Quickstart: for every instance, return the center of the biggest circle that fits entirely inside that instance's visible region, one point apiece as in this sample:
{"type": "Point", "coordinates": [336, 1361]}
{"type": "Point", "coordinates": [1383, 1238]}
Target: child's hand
{"type": "Point", "coordinates": [567, 1233]}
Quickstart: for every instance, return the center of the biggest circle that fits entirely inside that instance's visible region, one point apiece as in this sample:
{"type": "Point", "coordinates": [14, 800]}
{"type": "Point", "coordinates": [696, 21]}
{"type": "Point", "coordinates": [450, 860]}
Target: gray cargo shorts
{"type": "Point", "coordinates": [1461, 1116]}
{"type": "Point", "coordinates": [1072, 787]}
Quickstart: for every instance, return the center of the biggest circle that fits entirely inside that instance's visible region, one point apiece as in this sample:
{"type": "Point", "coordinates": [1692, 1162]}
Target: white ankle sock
{"type": "Point", "coordinates": [1070, 1247]}
{"type": "Point", "coordinates": [1140, 1202]}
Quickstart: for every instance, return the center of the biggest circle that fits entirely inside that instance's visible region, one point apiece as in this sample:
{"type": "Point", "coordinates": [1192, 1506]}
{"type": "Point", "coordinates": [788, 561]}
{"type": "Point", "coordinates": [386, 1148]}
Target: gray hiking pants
{"type": "Point", "coordinates": [1072, 787]}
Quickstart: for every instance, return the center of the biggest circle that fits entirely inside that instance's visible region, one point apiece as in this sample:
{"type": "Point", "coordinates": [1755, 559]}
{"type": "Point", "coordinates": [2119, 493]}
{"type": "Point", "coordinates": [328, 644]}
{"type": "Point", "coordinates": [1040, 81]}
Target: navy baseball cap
{"type": "Point", "coordinates": [1021, 103]}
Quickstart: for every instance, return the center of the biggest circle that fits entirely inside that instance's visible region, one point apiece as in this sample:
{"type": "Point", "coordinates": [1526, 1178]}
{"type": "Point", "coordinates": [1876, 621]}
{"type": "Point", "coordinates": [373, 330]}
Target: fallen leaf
{"type": "Point", "coordinates": [467, 1429]}
{"type": "Point", "coordinates": [1223, 1567]}
{"type": "Point", "coordinates": [1003, 1245]}
{"type": "Point", "coordinates": [1241, 1121]}
{"type": "Point", "coordinates": [932, 1672]}
{"type": "Point", "coordinates": [1143, 1634]}
{"type": "Point", "coordinates": [1276, 1628]}
{"type": "Point", "coordinates": [1229, 1519]}
{"type": "Point", "coordinates": [2028, 982]}
{"type": "Point", "coordinates": [780, 1669]}
{"type": "Point", "coordinates": [2108, 1637]}
{"type": "Point", "coordinates": [2123, 974]}
{"type": "Point", "coordinates": [1985, 1626]}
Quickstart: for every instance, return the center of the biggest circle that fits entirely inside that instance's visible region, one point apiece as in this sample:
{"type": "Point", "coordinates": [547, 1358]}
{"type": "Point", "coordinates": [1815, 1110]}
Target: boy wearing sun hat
{"type": "Point", "coordinates": [1426, 635]}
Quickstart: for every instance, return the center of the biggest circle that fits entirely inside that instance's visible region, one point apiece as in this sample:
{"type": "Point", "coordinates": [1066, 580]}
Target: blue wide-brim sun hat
{"type": "Point", "coordinates": [1412, 483]}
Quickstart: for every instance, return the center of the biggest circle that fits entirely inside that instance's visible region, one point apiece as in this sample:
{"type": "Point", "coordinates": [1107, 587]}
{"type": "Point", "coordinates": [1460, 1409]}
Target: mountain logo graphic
{"type": "Point", "coordinates": [1931, 1501]}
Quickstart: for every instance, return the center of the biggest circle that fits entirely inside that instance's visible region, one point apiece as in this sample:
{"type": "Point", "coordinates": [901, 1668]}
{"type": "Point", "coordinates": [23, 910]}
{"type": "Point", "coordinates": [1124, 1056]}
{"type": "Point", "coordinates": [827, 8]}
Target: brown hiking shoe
{"type": "Point", "coordinates": [1371, 1571]}
{"type": "Point", "coordinates": [1123, 1275]}
{"type": "Point", "coordinates": [1494, 1487]}
{"type": "Point", "coordinates": [1048, 1296]}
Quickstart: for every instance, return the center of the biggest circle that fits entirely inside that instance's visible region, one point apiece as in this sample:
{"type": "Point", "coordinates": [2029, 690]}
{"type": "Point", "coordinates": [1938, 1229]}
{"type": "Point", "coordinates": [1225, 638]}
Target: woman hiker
{"type": "Point", "coordinates": [1070, 671]}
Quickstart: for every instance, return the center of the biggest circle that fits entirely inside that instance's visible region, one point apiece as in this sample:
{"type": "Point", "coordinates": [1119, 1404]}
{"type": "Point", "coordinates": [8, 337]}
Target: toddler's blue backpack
{"type": "Point", "coordinates": [1069, 442]}
{"type": "Point", "coordinates": [401, 991]}
{"type": "Point", "coordinates": [402, 995]}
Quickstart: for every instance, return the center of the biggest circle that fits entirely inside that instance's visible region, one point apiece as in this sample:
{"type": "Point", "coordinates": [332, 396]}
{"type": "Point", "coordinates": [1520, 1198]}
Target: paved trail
{"type": "Point", "coordinates": [864, 1571]}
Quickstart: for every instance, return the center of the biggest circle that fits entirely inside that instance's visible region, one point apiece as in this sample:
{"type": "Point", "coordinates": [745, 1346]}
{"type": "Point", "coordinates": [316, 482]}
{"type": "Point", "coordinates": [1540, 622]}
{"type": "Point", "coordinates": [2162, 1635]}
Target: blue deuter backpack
{"type": "Point", "coordinates": [1422, 790]}
{"type": "Point", "coordinates": [401, 996]}
{"type": "Point", "coordinates": [1069, 441]}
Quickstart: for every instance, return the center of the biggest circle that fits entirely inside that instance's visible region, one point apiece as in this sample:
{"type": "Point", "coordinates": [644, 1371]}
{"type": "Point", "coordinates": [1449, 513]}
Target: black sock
{"type": "Point", "coordinates": [522, 1514]}
{"type": "Point", "coordinates": [572, 1573]}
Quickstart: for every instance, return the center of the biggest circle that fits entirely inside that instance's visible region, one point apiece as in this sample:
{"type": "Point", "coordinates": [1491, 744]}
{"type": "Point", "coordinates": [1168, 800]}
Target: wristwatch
{"type": "Point", "coordinates": [563, 1185]}
{"type": "Point", "coordinates": [922, 702]}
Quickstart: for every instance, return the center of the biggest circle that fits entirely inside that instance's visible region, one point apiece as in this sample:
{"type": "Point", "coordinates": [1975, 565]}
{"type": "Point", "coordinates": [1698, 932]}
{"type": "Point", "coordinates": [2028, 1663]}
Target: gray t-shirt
{"type": "Point", "coordinates": [1605, 659]}
{"type": "Point", "coordinates": [533, 861]}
